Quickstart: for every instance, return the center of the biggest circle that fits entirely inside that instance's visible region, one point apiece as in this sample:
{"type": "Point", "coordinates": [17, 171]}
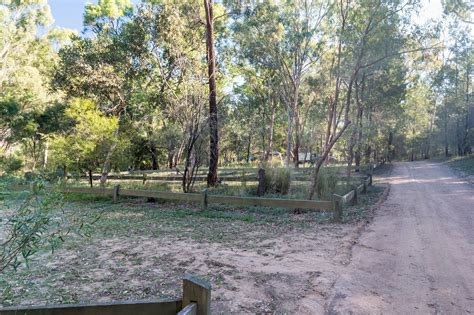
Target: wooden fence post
{"type": "Point", "coordinates": [204, 202]}
{"type": "Point", "coordinates": [116, 193]}
{"type": "Point", "coordinates": [365, 187]}
{"type": "Point", "coordinates": [337, 208]}
{"type": "Point", "coordinates": [356, 195]}
{"type": "Point", "coordinates": [197, 291]}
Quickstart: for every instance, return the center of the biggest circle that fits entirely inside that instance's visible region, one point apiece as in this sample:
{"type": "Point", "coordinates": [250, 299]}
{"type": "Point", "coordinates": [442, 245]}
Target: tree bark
{"type": "Point", "coordinates": [389, 146]}
{"type": "Point", "coordinates": [446, 145]}
{"type": "Point", "coordinates": [46, 153]}
{"type": "Point", "coordinates": [108, 159]}
{"type": "Point", "coordinates": [296, 111]}
{"type": "Point", "coordinates": [270, 138]}
{"type": "Point", "coordinates": [289, 137]}
{"type": "Point", "coordinates": [154, 159]}
{"type": "Point", "coordinates": [249, 143]}
{"type": "Point", "coordinates": [211, 68]}
{"type": "Point", "coordinates": [90, 177]}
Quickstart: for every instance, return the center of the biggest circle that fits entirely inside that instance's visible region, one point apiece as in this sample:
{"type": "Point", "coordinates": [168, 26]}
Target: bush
{"type": "Point", "coordinates": [37, 222]}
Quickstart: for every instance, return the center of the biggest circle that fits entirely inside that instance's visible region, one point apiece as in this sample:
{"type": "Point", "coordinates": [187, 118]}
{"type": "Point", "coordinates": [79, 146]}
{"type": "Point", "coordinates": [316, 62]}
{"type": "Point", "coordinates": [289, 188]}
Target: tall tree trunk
{"type": "Point", "coordinates": [90, 178]}
{"type": "Point", "coordinates": [446, 145]}
{"type": "Point", "coordinates": [154, 159]}
{"type": "Point", "coordinates": [296, 111]}
{"type": "Point", "coordinates": [170, 160]}
{"type": "Point", "coordinates": [34, 155]}
{"type": "Point", "coordinates": [270, 137]}
{"type": "Point", "coordinates": [249, 143]}
{"type": "Point", "coordinates": [289, 137]}
{"type": "Point", "coordinates": [357, 154]}
{"type": "Point", "coordinates": [108, 159]}
{"type": "Point", "coordinates": [177, 156]}
{"type": "Point", "coordinates": [466, 142]}
{"type": "Point", "coordinates": [45, 155]}
{"type": "Point", "coordinates": [458, 138]}
{"type": "Point", "coordinates": [211, 69]}
{"type": "Point", "coordinates": [389, 146]}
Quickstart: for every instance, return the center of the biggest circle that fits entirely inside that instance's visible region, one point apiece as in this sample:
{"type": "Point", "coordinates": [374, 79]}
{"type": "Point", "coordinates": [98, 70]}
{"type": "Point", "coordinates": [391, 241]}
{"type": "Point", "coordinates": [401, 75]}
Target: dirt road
{"type": "Point", "coordinates": [417, 256]}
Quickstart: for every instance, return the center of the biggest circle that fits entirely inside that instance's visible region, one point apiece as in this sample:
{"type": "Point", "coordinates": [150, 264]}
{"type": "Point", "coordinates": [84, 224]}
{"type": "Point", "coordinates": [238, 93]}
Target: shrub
{"type": "Point", "coordinates": [37, 222]}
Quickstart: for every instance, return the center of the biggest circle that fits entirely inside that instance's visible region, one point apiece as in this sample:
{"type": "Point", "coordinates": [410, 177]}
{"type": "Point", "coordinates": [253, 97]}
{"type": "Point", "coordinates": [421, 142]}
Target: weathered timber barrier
{"type": "Point", "coordinates": [196, 299]}
{"type": "Point", "coordinates": [204, 198]}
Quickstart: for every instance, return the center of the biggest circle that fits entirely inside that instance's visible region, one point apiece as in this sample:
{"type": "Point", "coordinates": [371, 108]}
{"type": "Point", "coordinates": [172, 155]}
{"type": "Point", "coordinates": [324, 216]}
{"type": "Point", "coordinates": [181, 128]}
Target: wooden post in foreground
{"type": "Point", "coordinates": [116, 193]}
{"type": "Point", "coordinates": [337, 208]}
{"type": "Point", "coordinates": [204, 202]}
{"type": "Point", "coordinates": [370, 179]}
{"type": "Point", "coordinates": [197, 291]}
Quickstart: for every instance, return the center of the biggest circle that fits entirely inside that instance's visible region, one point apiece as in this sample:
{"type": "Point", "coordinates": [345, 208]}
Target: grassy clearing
{"type": "Point", "coordinates": [298, 186]}
{"type": "Point", "coordinates": [131, 251]}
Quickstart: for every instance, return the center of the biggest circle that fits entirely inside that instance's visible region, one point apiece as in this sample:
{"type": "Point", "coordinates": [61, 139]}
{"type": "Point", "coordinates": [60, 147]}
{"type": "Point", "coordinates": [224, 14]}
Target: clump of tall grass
{"type": "Point", "coordinates": [277, 180]}
{"type": "Point", "coordinates": [328, 178]}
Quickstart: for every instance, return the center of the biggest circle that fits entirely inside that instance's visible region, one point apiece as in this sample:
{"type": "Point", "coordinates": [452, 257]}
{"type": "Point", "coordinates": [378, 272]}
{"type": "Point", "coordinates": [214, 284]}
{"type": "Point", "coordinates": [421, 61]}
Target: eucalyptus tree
{"type": "Point", "coordinates": [101, 67]}
{"type": "Point", "coordinates": [286, 38]}
{"type": "Point", "coordinates": [367, 33]}
{"type": "Point", "coordinates": [211, 66]}
{"type": "Point", "coordinates": [453, 83]}
{"type": "Point", "coordinates": [171, 36]}
{"type": "Point", "coordinates": [461, 9]}
{"type": "Point", "coordinates": [26, 55]}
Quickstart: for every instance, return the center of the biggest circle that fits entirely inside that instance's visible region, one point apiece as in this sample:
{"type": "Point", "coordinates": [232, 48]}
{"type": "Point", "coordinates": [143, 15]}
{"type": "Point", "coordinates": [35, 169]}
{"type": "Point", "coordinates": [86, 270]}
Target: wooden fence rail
{"type": "Point", "coordinates": [196, 299]}
{"type": "Point", "coordinates": [335, 206]}
{"type": "Point", "coordinates": [198, 178]}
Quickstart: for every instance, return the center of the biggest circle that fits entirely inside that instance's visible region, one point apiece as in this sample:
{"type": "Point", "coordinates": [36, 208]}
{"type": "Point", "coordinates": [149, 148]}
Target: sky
{"type": "Point", "coordinates": [68, 13]}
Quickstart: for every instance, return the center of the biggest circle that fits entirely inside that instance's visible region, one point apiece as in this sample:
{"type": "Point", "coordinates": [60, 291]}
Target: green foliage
{"type": "Point", "coordinates": [31, 226]}
{"type": "Point", "coordinates": [461, 9]}
{"type": "Point", "coordinates": [34, 221]}
{"type": "Point", "coordinates": [84, 147]}
{"type": "Point", "coordinates": [112, 9]}
{"type": "Point", "coordinates": [10, 164]}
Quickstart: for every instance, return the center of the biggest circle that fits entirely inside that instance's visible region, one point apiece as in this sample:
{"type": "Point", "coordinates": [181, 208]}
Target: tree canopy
{"type": "Point", "coordinates": [186, 84]}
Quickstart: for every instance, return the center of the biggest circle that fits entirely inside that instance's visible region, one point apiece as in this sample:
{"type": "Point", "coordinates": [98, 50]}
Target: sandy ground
{"type": "Point", "coordinates": [417, 256]}
{"type": "Point", "coordinates": [254, 267]}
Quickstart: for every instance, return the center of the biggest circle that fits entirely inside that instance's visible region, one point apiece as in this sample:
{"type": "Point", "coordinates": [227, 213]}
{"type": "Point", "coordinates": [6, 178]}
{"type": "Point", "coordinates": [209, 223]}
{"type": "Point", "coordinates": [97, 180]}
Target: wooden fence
{"type": "Point", "coordinates": [196, 300]}
{"type": "Point", "coordinates": [204, 198]}
{"type": "Point", "coordinates": [199, 178]}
